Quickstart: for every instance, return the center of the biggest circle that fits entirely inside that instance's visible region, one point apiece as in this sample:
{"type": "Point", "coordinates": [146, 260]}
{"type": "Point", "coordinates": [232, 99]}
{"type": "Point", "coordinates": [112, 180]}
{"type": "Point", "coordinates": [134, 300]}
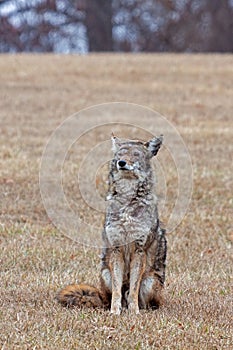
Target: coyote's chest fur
{"type": "Point", "coordinates": [130, 212]}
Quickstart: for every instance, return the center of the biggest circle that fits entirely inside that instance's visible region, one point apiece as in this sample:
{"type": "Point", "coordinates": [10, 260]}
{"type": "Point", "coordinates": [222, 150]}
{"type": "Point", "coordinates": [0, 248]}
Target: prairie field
{"type": "Point", "coordinates": [195, 95]}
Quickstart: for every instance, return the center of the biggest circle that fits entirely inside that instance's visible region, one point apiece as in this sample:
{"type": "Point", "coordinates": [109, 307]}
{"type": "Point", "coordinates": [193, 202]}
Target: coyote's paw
{"type": "Point", "coordinates": [133, 309]}
{"type": "Point", "coordinates": [116, 308]}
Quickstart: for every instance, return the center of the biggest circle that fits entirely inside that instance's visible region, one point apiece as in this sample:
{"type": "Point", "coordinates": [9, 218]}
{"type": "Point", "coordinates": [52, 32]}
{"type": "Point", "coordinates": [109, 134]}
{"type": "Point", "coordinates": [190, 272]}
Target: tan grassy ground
{"type": "Point", "coordinates": [39, 92]}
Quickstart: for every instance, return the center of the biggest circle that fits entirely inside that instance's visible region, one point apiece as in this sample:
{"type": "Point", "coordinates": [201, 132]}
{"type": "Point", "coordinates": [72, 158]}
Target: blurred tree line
{"type": "Point", "coordinates": [116, 25]}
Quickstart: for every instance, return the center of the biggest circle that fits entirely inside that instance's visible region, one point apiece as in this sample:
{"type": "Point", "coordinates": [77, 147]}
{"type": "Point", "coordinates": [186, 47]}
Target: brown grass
{"type": "Point", "coordinates": [37, 93]}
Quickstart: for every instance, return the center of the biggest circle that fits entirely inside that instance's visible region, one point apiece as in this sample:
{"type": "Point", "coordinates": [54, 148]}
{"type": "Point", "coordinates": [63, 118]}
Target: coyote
{"type": "Point", "coordinates": [134, 253]}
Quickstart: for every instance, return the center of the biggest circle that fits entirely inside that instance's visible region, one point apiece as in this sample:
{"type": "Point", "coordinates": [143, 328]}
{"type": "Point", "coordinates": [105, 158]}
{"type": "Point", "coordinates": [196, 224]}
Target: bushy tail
{"type": "Point", "coordinates": [81, 295]}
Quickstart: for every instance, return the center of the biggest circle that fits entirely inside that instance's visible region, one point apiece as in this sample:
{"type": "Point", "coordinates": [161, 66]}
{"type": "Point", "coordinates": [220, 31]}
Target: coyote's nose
{"type": "Point", "coordinates": [121, 163]}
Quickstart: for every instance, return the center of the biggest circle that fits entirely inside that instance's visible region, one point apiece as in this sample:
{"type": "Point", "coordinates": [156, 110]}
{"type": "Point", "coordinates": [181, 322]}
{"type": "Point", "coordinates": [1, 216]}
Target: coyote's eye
{"type": "Point", "coordinates": [136, 153]}
{"type": "Point", "coordinates": [122, 151]}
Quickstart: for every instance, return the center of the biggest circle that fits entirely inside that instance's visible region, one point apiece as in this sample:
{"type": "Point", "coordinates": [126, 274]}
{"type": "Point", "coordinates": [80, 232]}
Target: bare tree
{"type": "Point", "coordinates": [99, 25]}
{"type": "Point", "coordinates": [41, 25]}
{"type": "Point", "coordinates": [173, 25]}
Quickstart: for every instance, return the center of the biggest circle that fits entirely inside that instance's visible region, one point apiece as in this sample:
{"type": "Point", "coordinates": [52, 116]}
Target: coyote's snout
{"type": "Point", "coordinates": [133, 260]}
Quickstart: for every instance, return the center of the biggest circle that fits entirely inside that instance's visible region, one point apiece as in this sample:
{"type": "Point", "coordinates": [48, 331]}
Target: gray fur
{"type": "Point", "coordinates": [133, 262]}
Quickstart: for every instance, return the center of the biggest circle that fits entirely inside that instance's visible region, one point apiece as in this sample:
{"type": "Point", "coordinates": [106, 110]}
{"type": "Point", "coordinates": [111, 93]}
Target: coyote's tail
{"type": "Point", "coordinates": [82, 295]}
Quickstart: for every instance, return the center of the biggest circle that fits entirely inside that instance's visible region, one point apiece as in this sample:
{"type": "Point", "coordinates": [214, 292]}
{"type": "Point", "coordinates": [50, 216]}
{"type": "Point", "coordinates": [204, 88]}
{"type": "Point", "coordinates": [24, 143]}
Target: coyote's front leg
{"type": "Point", "coordinates": [137, 268]}
{"type": "Point", "coordinates": [117, 270]}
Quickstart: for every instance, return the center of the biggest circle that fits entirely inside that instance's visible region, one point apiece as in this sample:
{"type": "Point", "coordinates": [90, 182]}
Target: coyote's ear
{"type": "Point", "coordinates": [154, 145]}
{"type": "Point", "coordinates": [115, 143]}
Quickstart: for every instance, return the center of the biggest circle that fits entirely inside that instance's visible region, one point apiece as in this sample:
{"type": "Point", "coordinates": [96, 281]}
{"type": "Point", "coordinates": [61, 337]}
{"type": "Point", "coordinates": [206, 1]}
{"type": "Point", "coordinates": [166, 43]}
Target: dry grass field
{"type": "Point", "coordinates": [195, 93]}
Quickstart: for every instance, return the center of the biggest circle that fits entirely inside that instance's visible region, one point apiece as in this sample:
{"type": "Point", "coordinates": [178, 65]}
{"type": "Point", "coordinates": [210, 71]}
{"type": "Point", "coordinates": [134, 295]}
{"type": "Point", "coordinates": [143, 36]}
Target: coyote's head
{"type": "Point", "coordinates": [132, 156]}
